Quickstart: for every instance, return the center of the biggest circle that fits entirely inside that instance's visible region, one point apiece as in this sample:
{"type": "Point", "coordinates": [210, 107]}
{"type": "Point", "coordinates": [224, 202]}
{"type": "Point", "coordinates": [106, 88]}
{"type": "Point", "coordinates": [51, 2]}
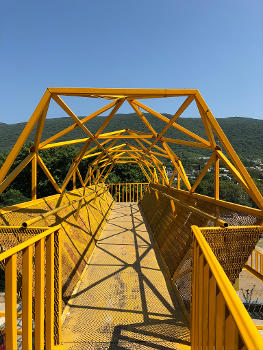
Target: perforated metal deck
{"type": "Point", "coordinates": [123, 300]}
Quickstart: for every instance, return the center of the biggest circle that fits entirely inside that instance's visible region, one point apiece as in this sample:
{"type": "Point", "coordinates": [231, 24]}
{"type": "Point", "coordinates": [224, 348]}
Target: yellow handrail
{"type": "Point", "coordinates": [46, 242]}
{"type": "Point", "coordinates": [128, 191]}
{"type": "Point", "coordinates": [219, 319]}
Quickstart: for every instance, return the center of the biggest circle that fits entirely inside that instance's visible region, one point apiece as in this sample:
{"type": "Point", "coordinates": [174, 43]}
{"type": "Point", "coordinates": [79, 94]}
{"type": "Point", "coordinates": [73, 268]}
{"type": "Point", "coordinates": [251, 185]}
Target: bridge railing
{"type": "Point", "coordinates": [37, 261]}
{"type": "Point", "coordinates": [128, 192]}
{"type": "Point", "coordinates": [219, 320]}
{"type": "Point", "coordinates": [254, 264]}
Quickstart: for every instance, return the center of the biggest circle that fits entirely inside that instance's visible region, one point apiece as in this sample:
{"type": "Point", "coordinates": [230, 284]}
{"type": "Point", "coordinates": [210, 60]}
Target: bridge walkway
{"type": "Point", "coordinates": [123, 300]}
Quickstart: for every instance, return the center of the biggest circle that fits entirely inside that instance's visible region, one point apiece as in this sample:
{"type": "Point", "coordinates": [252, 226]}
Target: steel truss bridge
{"type": "Point", "coordinates": [128, 265]}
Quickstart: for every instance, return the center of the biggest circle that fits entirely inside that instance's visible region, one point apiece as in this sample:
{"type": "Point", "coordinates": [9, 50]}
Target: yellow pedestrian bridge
{"type": "Point", "coordinates": [152, 265]}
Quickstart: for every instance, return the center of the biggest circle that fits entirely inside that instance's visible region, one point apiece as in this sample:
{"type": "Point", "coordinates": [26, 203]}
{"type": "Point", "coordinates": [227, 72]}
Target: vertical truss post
{"type": "Point", "coordinates": [34, 178]}
{"type": "Point", "coordinates": [74, 180]}
{"type": "Point", "coordinates": [216, 178]}
{"type": "Point", "coordinates": [178, 181]}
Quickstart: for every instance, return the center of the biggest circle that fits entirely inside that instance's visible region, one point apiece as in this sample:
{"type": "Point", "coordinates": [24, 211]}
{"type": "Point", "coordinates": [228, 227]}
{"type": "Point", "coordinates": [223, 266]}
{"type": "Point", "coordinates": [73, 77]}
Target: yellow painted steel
{"type": "Point", "coordinates": [254, 264]}
{"type": "Point", "coordinates": [225, 299]}
{"type": "Point", "coordinates": [119, 96]}
{"type": "Point", "coordinates": [11, 297]}
{"type": "Point", "coordinates": [10, 258]}
{"type": "Point", "coordinates": [39, 293]}
{"type": "Point", "coordinates": [34, 178]}
{"type": "Point", "coordinates": [27, 292]}
{"type": "Point", "coordinates": [124, 192]}
{"type": "Point", "coordinates": [215, 310]}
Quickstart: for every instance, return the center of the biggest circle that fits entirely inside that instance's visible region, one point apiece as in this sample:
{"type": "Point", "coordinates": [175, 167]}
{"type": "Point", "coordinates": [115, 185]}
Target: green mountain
{"type": "Point", "coordinates": [245, 134]}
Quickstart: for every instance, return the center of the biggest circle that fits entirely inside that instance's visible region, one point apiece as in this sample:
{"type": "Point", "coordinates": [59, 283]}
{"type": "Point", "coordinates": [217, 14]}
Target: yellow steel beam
{"type": "Point", "coordinates": [144, 171]}
{"type": "Point", "coordinates": [203, 172]}
{"type": "Point", "coordinates": [108, 172]}
{"type": "Point", "coordinates": [186, 143]}
{"type": "Point", "coordinates": [80, 177]}
{"type": "Point", "coordinates": [155, 160]}
{"type": "Point", "coordinates": [109, 117]}
{"type": "Point", "coordinates": [34, 178]}
{"type": "Point", "coordinates": [74, 126]}
{"type": "Point", "coordinates": [157, 147]}
{"type": "Point", "coordinates": [110, 150]}
{"type": "Point", "coordinates": [206, 123]}
{"type": "Point", "coordinates": [178, 180]}
{"type": "Point", "coordinates": [216, 178]}
{"type": "Point", "coordinates": [176, 126]}
{"type": "Point", "coordinates": [64, 143]}
{"type": "Point", "coordinates": [122, 92]}
{"type": "Point", "coordinates": [96, 147]}
{"type": "Point", "coordinates": [144, 159]}
{"type": "Point", "coordinates": [232, 206]}
{"type": "Point", "coordinates": [258, 198]}
{"type": "Point", "coordinates": [24, 135]}
{"type": "Point", "coordinates": [92, 138]}
{"type": "Point", "coordinates": [143, 118]}
{"type": "Point", "coordinates": [231, 167]}
{"type": "Point", "coordinates": [239, 177]}
{"type": "Point", "coordinates": [146, 152]}
{"type": "Point", "coordinates": [181, 109]}
{"type": "Point", "coordinates": [172, 177]}
{"type": "Point", "coordinates": [178, 165]}
{"type": "Point", "coordinates": [48, 174]}
{"type": "Point", "coordinates": [144, 136]}
{"type": "Point", "coordinates": [74, 180]}
{"type": "Point", "coordinates": [121, 131]}
{"type": "Point", "coordinates": [40, 126]}
{"type": "Point", "coordinates": [15, 172]}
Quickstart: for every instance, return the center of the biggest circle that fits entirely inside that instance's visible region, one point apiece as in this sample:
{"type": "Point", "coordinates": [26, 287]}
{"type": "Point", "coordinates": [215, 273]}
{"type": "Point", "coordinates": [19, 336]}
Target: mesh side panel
{"type": "Point", "coordinates": [232, 217]}
{"type": "Point", "coordinates": [79, 232]}
{"type": "Point", "coordinates": [171, 227]}
{"type": "Point", "coordinates": [232, 247]}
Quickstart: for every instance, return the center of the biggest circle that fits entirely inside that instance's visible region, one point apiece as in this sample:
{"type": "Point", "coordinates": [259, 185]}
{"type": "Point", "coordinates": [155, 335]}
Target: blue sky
{"type": "Point", "coordinates": [214, 46]}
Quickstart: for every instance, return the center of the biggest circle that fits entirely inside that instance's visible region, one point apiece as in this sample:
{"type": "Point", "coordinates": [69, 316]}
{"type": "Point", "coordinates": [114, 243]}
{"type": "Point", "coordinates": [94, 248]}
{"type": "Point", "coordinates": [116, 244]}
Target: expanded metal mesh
{"type": "Point", "coordinates": [232, 246]}
{"type": "Point", "coordinates": [171, 223]}
{"type": "Point", "coordinates": [11, 237]}
{"type": "Point", "coordinates": [79, 228]}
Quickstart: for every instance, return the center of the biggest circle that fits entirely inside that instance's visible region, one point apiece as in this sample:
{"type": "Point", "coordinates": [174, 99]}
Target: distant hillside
{"type": "Point", "coordinates": [245, 134]}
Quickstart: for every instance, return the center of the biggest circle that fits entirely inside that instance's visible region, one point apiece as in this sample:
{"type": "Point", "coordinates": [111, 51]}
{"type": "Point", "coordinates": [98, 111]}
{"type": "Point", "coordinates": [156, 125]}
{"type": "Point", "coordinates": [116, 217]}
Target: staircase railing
{"type": "Point", "coordinates": [219, 320]}
{"type": "Point", "coordinates": [40, 261]}
{"type": "Point", "coordinates": [128, 192]}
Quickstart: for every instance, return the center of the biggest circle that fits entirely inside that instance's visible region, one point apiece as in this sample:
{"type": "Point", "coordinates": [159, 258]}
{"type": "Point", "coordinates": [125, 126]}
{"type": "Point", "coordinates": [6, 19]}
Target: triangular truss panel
{"type": "Point", "coordinates": [149, 148]}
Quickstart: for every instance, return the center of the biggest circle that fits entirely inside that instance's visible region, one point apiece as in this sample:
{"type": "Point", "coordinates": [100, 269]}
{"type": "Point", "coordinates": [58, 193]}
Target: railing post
{"type": "Point", "coordinates": [123, 198]}
{"type": "Point", "coordinates": [11, 302]}
{"type": "Point", "coordinates": [27, 291]}
{"type": "Point", "coordinates": [50, 291]}
{"type": "Point", "coordinates": [57, 287]}
{"type": "Point", "coordinates": [39, 294]}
